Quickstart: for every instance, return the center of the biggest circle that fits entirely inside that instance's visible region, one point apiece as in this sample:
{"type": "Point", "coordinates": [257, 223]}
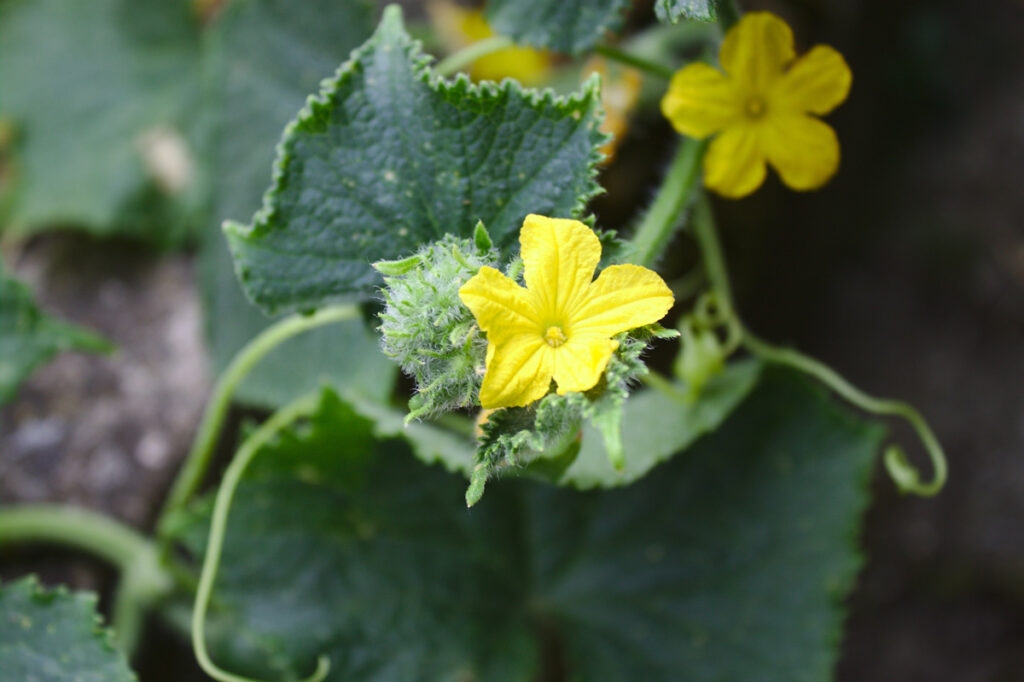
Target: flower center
{"type": "Point", "coordinates": [555, 336]}
{"type": "Point", "coordinates": [755, 107]}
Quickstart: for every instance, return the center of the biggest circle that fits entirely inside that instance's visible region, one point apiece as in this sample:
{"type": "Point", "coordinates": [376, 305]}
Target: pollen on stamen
{"type": "Point", "coordinates": [554, 336]}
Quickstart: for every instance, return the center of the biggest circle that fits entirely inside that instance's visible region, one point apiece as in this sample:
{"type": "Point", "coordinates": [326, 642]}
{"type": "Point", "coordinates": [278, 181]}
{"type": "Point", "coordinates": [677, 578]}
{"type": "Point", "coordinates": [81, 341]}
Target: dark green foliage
{"type": "Point", "coordinates": [390, 157]}
{"type": "Point", "coordinates": [55, 636]}
{"type": "Point", "coordinates": [729, 562]}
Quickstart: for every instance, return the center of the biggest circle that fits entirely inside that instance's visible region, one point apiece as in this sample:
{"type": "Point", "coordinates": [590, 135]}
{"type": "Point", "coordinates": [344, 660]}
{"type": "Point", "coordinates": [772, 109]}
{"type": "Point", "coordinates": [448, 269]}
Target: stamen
{"type": "Point", "coordinates": [555, 337]}
{"type": "Point", "coordinates": [755, 107]}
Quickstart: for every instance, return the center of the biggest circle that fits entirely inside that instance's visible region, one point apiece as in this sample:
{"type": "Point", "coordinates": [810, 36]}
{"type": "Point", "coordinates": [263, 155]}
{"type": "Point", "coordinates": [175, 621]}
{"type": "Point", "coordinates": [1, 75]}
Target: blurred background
{"type": "Point", "coordinates": [905, 273]}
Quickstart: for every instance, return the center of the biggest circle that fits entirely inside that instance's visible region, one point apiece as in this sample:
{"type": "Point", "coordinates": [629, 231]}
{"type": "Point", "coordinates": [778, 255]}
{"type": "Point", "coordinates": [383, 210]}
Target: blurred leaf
{"type": "Point", "coordinates": [29, 337]}
{"type": "Point", "coordinates": [389, 156]}
{"type": "Point", "coordinates": [729, 562]}
{"type": "Point", "coordinates": [55, 636]}
{"type": "Point", "coordinates": [673, 11]}
{"type": "Point", "coordinates": [656, 426]}
{"type": "Point", "coordinates": [99, 94]}
{"type": "Point", "coordinates": [263, 58]}
{"type": "Point", "coordinates": [561, 25]}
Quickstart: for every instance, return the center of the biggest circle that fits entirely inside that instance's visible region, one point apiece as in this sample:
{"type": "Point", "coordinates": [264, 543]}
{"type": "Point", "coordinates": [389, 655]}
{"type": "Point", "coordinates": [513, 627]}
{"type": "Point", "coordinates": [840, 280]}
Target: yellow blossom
{"type": "Point", "coordinates": [561, 325]}
{"type": "Point", "coordinates": [462, 26]}
{"type": "Point", "coordinates": [761, 108]}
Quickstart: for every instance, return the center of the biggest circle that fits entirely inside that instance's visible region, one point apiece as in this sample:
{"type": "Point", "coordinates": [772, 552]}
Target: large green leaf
{"type": "Point", "coordinates": [674, 11]}
{"type": "Point", "coordinates": [262, 58]}
{"type": "Point", "coordinates": [29, 337]}
{"type": "Point", "coordinates": [55, 636]}
{"type": "Point", "coordinates": [98, 93]}
{"type": "Point", "coordinates": [390, 156]}
{"type": "Point", "coordinates": [560, 25]}
{"type": "Point", "coordinates": [729, 562]}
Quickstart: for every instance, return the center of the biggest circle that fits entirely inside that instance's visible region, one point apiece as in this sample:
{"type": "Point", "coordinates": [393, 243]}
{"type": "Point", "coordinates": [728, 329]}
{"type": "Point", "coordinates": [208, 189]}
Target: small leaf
{"type": "Point", "coordinates": [29, 337]}
{"type": "Point", "coordinates": [263, 57]}
{"type": "Point", "coordinates": [99, 95]}
{"type": "Point", "coordinates": [55, 636]}
{"type": "Point", "coordinates": [674, 11]}
{"type": "Point", "coordinates": [390, 156]}
{"type": "Point", "coordinates": [561, 25]}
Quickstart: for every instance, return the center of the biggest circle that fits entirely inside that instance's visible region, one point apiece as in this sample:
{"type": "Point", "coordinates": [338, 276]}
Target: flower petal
{"type": "Point", "coordinates": [501, 307]}
{"type": "Point", "coordinates": [701, 101]}
{"type": "Point", "coordinates": [518, 372]}
{"type": "Point", "coordinates": [559, 258]}
{"type": "Point", "coordinates": [623, 297]}
{"type": "Point", "coordinates": [802, 149]}
{"type": "Point", "coordinates": [579, 362]}
{"type": "Point", "coordinates": [757, 49]}
{"type": "Point", "coordinates": [734, 163]}
{"type": "Point", "coordinates": [817, 83]}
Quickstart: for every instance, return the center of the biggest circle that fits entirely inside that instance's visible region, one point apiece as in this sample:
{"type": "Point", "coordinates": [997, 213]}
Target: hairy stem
{"type": "Point", "coordinates": [629, 59]}
{"type": "Point", "coordinates": [198, 459]}
{"type": "Point", "coordinates": [458, 61]}
{"type": "Point", "coordinates": [665, 214]}
{"type": "Point", "coordinates": [218, 524]}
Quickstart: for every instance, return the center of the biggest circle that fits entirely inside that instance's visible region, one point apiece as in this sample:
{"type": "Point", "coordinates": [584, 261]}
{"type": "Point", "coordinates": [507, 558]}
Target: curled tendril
{"type": "Point", "coordinates": [218, 523]}
{"type": "Point", "coordinates": [903, 473]}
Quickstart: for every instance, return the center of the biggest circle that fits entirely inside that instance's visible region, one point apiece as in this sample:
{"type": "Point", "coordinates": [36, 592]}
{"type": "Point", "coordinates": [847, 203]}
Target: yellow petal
{"type": "Point", "coordinates": [559, 257]}
{"type": "Point", "coordinates": [501, 307]}
{"type": "Point", "coordinates": [756, 50]}
{"type": "Point", "coordinates": [700, 101]}
{"type": "Point", "coordinates": [518, 372]}
{"type": "Point", "coordinates": [817, 83]}
{"type": "Point", "coordinates": [623, 297]}
{"type": "Point", "coordinates": [734, 163]}
{"type": "Point", "coordinates": [580, 362]}
{"type": "Point", "coordinates": [802, 149]}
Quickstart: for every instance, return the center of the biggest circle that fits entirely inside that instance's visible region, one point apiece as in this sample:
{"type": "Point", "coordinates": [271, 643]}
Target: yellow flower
{"type": "Point", "coordinates": [461, 26]}
{"type": "Point", "coordinates": [560, 326]}
{"type": "Point", "coordinates": [760, 108]}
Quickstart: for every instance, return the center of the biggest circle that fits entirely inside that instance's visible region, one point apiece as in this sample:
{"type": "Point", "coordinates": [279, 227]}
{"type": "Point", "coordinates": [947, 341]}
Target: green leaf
{"type": "Point", "coordinates": [98, 93]}
{"type": "Point", "coordinates": [55, 636]}
{"type": "Point", "coordinates": [391, 156]}
{"type": "Point", "coordinates": [673, 11]}
{"type": "Point", "coordinates": [656, 426]}
{"type": "Point", "coordinates": [344, 545]}
{"type": "Point", "coordinates": [262, 58]}
{"type": "Point", "coordinates": [562, 25]}
{"type": "Point", "coordinates": [29, 337]}
{"type": "Point", "coordinates": [729, 562]}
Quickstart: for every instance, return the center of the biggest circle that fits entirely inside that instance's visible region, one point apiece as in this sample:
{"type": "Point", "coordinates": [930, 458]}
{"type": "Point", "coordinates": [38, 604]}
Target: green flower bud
{"type": "Point", "coordinates": [701, 358]}
{"type": "Point", "coordinates": [427, 330]}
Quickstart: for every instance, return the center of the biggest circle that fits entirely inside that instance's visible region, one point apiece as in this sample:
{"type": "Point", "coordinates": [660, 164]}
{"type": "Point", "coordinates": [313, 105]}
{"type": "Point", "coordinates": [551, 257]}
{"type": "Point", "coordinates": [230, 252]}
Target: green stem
{"type": "Point", "coordinates": [623, 57]}
{"type": "Point", "coordinates": [728, 13]}
{"type": "Point", "coordinates": [469, 54]}
{"type": "Point", "coordinates": [143, 580]}
{"type": "Point", "coordinates": [198, 459]}
{"type": "Point", "coordinates": [664, 386]}
{"type": "Point", "coordinates": [665, 215]}
{"type": "Point", "coordinates": [906, 477]}
{"type": "Point", "coordinates": [218, 524]}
